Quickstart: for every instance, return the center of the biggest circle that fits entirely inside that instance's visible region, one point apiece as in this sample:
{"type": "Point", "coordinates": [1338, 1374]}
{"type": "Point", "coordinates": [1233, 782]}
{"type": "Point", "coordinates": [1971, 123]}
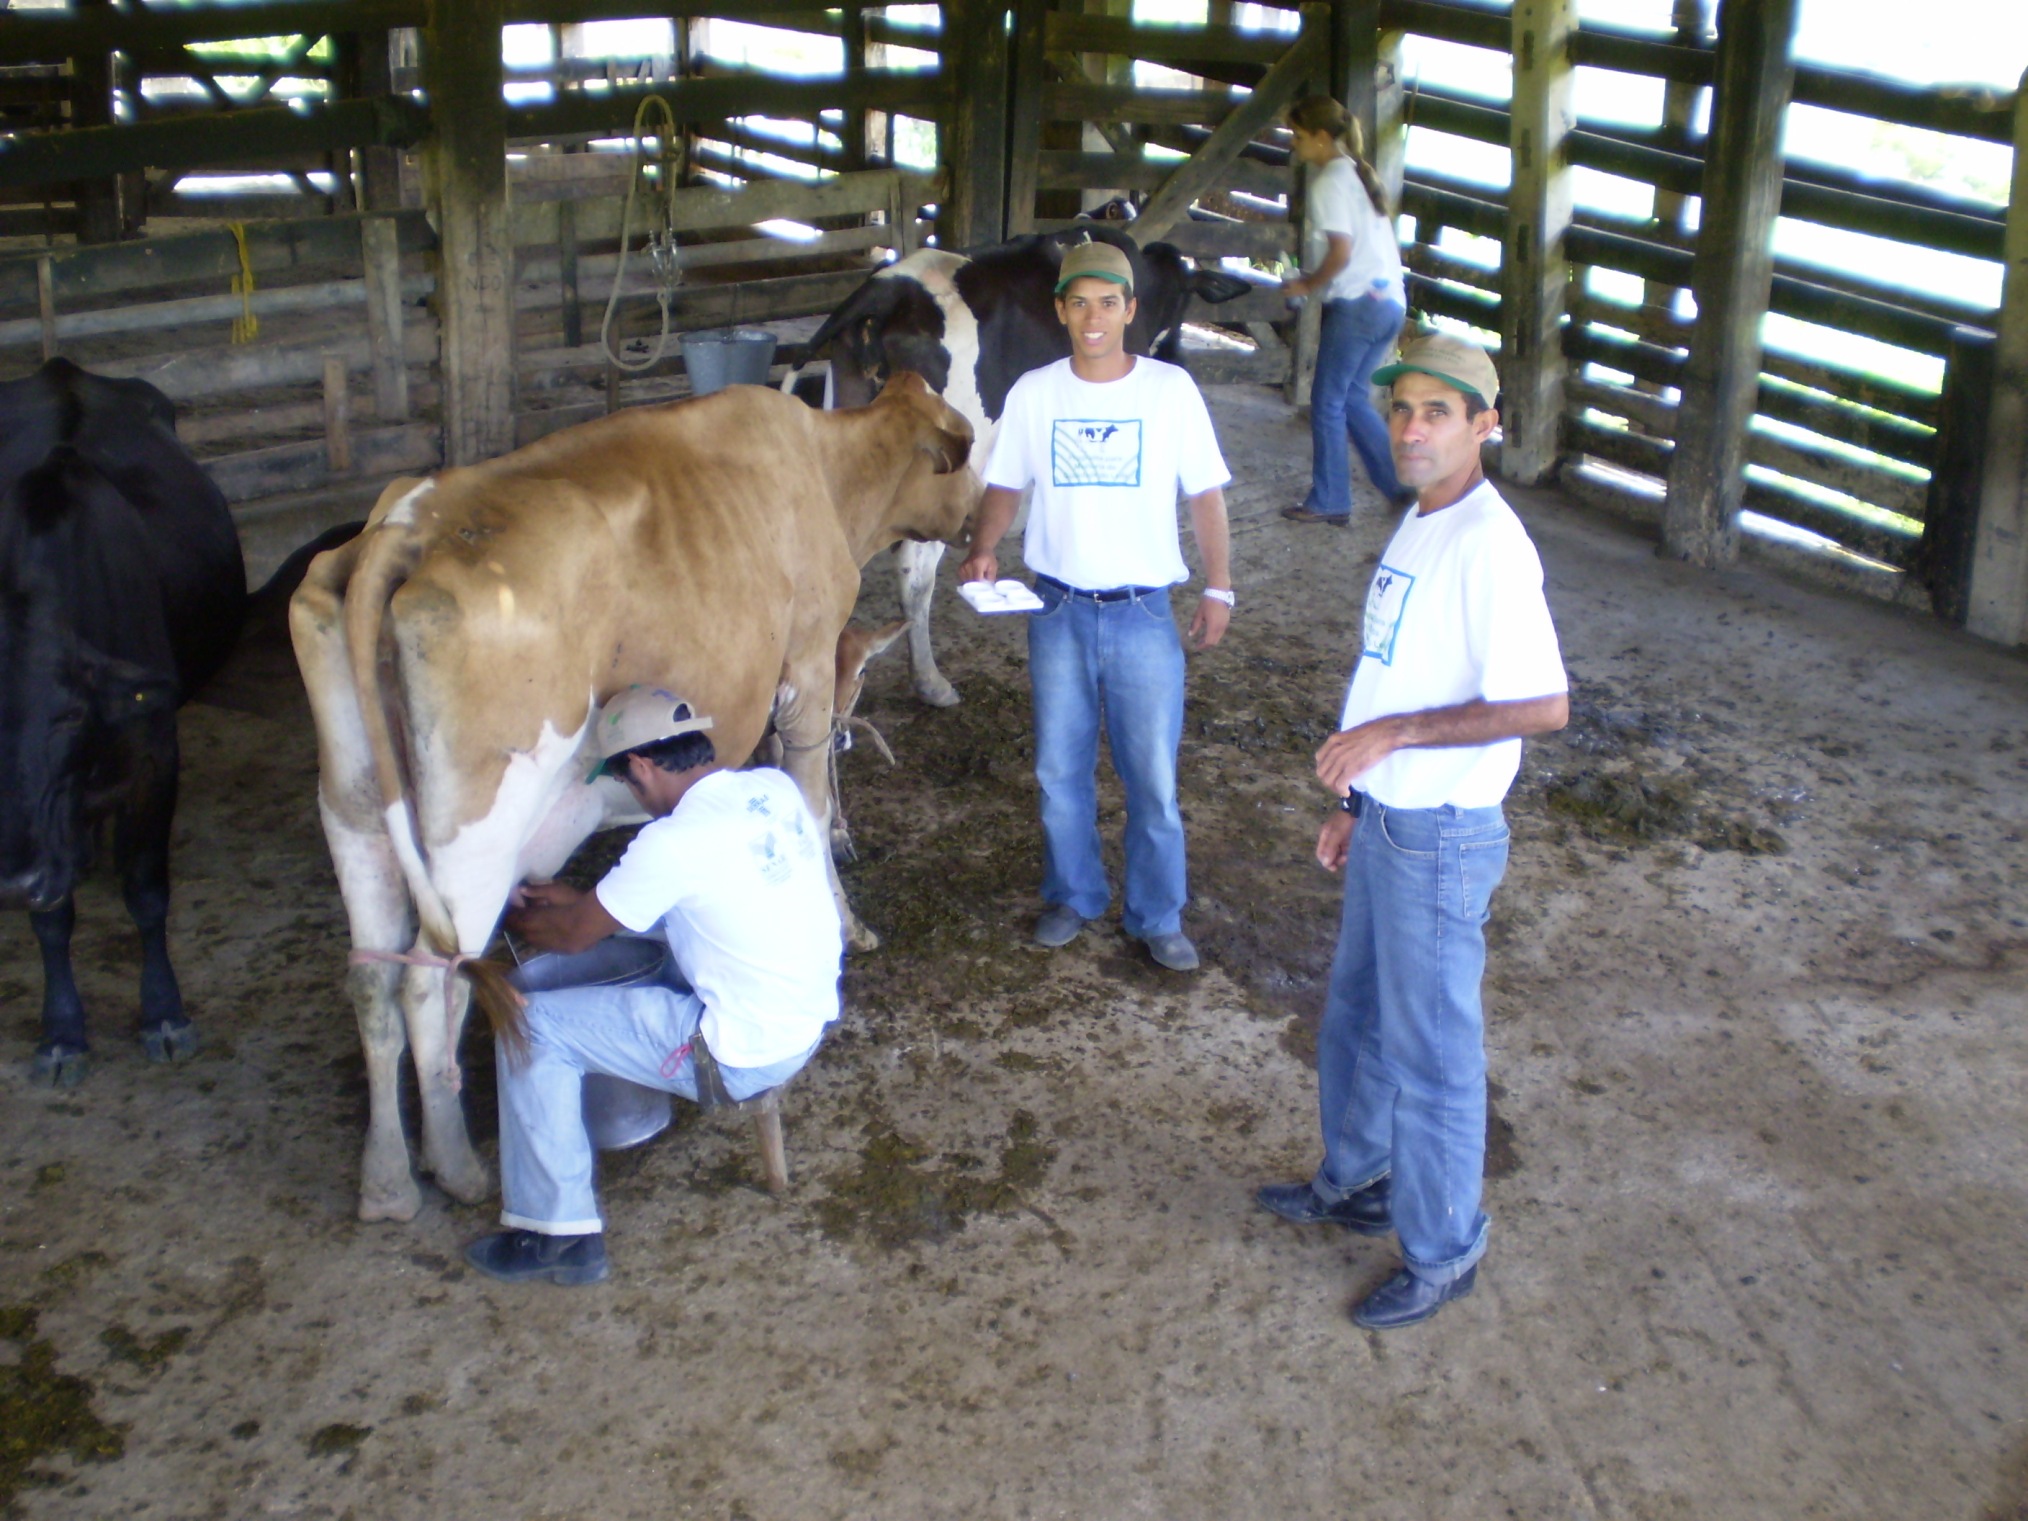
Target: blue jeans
{"type": "Point", "coordinates": [1401, 1056]}
{"type": "Point", "coordinates": [632, 1031]}
{"type": "Point", "coordinates": [1357, 336]}
{"type": "Point", "coordinates": [1120, 663]}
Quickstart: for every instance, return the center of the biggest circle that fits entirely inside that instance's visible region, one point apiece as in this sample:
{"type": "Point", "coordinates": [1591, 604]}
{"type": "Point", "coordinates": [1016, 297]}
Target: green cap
{"type": "Point", "coordinates": [1095, 260]}
{"type": "Point", "coordinates": [1454, 361]}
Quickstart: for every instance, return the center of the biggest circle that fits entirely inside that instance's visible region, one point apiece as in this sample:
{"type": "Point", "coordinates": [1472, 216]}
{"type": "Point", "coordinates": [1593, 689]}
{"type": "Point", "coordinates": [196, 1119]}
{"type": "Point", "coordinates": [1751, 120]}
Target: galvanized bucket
{"type": "Point", "coordinates": [617, 1113]}
{"type": "Point", "coordinates": [727, 356]}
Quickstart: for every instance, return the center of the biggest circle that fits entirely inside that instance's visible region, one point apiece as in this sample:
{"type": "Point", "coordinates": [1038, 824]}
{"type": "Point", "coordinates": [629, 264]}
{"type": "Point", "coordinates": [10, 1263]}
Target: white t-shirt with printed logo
{"type": "Point", "coordinates": [1107, 460]}
{"type": "Point", "coordinates": [736, 878]}
{"type": "Point", "coordinates": [1455, 613]}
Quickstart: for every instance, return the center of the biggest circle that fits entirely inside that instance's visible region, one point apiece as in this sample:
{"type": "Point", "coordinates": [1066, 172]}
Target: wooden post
{"type": "Point", "coordinates": [1671, 222]}
{"type": "Point", "coordinates": [466, 155]}
{"type": "Point", "coordinates": [380, 254]}
{"type": "Point", "coordinates": [366, 72]}
{"type": "Point", "coordinates": [337, 417]}
{"type": "Point", "coordinates": [91, 105]}
{"type": "Point", "coordinates": [1535, 275]}
{"type": "Point", "coordinates": [1999, 599]}
{"type": "Point", "coordinates": [566, 261]}
{"type": "Point", "coordinates": [1024, 135]}
{"type": "Point", "coordinates": [45, 301]}
{"type": "Point", "coordinates": [1366, 76]}
{"type": "Point", "coordinates": [852, 29]}
{"type": "Point", "coordinates": [974, 151]}
{"type": "Point", "coordinates": [1732, 276]}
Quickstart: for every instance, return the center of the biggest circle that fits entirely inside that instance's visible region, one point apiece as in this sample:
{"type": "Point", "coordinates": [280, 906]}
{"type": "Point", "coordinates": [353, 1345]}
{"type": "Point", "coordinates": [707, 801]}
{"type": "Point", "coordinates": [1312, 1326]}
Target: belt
{"type": "Point", "coordinates": [1110, 594]}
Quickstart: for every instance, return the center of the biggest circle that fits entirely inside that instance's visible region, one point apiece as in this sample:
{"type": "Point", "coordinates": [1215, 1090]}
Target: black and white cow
{"type": "Point", "coordinates": [971, 325]}
{"type": "Point", "coordinates": [121, 590]}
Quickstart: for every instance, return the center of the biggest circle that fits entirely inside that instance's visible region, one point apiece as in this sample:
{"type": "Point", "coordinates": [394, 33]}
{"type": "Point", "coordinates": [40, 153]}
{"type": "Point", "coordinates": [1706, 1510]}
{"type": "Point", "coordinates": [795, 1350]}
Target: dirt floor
{"type": "Point", "coordinates": [1757, 1156]}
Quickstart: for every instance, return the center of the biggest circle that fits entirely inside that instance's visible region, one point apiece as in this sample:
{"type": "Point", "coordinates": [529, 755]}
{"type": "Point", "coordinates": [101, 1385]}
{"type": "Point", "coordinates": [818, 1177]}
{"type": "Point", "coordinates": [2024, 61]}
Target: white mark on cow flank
{"type": "Point", "coordinates": [402, 513]}
{"type": "Point", "coordinates": [506, 600]}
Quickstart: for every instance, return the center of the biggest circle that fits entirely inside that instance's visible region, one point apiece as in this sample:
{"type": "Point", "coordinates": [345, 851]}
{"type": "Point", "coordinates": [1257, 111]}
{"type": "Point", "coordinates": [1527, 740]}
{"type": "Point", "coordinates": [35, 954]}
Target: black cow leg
{"type": "Point", "coordinates": [166, 1032]}
{"type": "Point", "coordinates": [61, 1060]}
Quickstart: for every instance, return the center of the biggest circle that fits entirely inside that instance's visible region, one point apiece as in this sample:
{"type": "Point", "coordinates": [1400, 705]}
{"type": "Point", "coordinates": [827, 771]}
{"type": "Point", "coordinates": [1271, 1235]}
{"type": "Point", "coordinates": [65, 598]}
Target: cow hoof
{"type": "Point", "coordinates": [170, 1043]}
{"type": "Point", "coordinates": [471, 1184]}
{"type": "Point", "coordinates": [61, 1068]}
{"type": "Point", "coordinates": [397, 1204]}
{"type": "Point", "coordinates": [938, 693]}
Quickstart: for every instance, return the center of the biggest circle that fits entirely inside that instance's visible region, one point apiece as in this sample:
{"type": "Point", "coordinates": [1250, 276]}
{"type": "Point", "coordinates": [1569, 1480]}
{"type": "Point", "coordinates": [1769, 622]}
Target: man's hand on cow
{"type": "Point", "coordinates": [554, 916]}
{"type": "Point", "coordinates": [1334, 840]}
{"type": "Point", "coordinates": [1209, 624]}
{"type": "Point", "coordinates": [1351, 753]}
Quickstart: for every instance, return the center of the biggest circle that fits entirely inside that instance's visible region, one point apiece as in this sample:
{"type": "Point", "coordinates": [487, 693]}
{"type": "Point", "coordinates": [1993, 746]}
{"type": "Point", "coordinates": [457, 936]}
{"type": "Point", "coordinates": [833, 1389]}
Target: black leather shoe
{"type": "Point", "coordinates": [526, 1256]}
{"type": "Point", "coordinates": [1406, 1300]}
{"type": "Point", "coordinates": [1364, 1211]}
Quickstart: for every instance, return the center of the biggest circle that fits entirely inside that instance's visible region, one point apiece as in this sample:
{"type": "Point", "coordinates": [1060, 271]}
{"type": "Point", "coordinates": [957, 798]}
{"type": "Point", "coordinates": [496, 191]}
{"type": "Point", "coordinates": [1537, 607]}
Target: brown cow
{"type": "Point", "coordinates": [455, 653]}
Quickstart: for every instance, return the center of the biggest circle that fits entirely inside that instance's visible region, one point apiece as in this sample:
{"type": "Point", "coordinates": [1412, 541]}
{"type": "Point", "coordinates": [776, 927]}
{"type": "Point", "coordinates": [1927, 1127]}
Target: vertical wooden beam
{"type": "Point", "coordinates": [466, 158]}
{"type": "Point", "coordinates": [380, 255]}
{"type": "Point", "coordinates": [852, 27]}
{"type": "Point", "coordinates": [45, 302]}
{"type": "Point", "coordinates": [1671, 221]}
{"type": "Point", "coordinates": [1535, 274]}
{"type": "Point", "coordinates": [1366, 76]}
{"type": "Point", "coordinates": [91, 105]}
{"type": "Point", "coordinates": [1024, 133]}
{"type": "Point", "coordinates": [1733, 273]}
{"type": "Point", "coordinates": [337, 417]}
{"type": "Point", "coordinates": [366, 72]}
{"type": "Point", "coordinates": [975, 147]}
{"type": "Point", "coordinates": [1999, 597]}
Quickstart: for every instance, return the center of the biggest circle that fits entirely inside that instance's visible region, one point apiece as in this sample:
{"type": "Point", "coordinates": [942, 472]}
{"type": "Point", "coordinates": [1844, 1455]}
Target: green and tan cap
{"type": "Point", "coordinates": [639, 716]}
{"type": "Point", "coordinates": [1454, 361]}
{"type": "Point", "coordinates": [1098, 261]}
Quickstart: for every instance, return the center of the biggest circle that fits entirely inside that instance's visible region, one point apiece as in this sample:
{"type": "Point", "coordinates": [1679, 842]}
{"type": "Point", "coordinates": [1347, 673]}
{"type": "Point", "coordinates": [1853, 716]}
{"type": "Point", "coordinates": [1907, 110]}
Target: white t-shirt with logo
{"type": "Point", "coordinates": [736, 878]}
{"type": "Point", "coordinates": [1107, 461]}
{"type": "Point", "coordinates": [1455, 613]}
{"type": "Point", "coordinates": [1338, 202]}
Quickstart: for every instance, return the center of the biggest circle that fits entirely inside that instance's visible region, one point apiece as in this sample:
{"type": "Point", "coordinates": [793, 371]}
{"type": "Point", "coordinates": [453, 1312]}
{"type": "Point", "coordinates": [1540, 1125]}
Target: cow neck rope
{"type": "Point", "coordinates": [453, 1073]}
{"type": "Point", "coordinates": [660, 247]}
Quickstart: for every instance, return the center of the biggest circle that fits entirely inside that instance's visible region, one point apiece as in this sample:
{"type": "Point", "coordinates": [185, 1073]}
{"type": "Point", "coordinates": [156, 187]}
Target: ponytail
{"type": "Point", "coordinates": [1320, 113]}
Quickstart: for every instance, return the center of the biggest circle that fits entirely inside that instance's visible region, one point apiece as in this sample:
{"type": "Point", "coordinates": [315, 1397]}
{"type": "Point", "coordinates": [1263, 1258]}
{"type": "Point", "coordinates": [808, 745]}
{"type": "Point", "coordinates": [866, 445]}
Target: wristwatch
{"type": "Point", "coordinates": [1219, 594]}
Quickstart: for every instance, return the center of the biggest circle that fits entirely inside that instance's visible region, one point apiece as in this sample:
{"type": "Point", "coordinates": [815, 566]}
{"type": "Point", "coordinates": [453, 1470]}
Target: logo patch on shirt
{"type": "Point", "coordinates": [768, 855]}
{"type": "Point", "coordinates": [1386, 600]}
{"type": "Point", "coordinates": [1095, 452]}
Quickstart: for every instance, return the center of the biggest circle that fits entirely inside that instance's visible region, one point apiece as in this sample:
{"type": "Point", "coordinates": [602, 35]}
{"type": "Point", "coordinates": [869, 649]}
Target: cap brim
{"type": "Point", "coordinates": [1387, 374]}
{"type": "Point", "coordinates": [1093, 274]}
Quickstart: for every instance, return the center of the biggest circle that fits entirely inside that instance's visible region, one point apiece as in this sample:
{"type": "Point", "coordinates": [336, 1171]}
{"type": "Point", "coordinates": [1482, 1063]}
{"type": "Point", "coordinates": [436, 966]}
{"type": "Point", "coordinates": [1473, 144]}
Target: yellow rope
{"type": "Point", "coordinates": [246, 326]}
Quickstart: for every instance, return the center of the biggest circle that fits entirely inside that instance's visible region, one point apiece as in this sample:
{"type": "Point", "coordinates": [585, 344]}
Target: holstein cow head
{"type": "Point", "coordinates": [69, 713]}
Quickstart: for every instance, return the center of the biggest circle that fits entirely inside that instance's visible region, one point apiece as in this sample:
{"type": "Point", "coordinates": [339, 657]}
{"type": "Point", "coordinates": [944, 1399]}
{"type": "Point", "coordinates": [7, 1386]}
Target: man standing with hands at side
{"type": "Point", "coordinates": [1459, 661]}
{"type": "Point", "coordinates": [1108, 440]}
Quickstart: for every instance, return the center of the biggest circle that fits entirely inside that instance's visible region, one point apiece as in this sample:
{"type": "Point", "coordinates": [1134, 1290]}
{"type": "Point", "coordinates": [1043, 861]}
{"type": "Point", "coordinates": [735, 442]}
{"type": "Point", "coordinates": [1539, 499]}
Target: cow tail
{"type": "Point", "coordinates": [504, 1007]}
{"type": "Point", "coordinates": [388, 555]}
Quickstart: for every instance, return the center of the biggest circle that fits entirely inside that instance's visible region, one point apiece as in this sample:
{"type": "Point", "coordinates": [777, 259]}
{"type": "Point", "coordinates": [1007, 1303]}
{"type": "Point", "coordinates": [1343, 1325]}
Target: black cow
{"type": "Point", "coordinates": [971, 325]}
{"type": "Point", "coordinates": [121, 590]}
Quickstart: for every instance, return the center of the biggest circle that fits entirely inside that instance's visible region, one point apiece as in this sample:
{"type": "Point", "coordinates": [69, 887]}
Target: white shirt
{"type": "Point", "coordinates": [1337, 202]}
{"type": "Point", "coordinates": [736, 878]}
{"type": "Point", "coordinates": [1455, 613]}
{"type": "Point", "coordinates": [1107, 460]}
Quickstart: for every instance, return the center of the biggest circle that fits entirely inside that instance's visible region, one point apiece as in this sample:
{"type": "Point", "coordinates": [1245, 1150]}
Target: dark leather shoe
{"type": "Point", "coordinates": [1302, 514]}
{"type": "Point", "coordinates": [1365, 1211]}
{"type": "Point", "coordinates": [1406, 1300]}
{"type": "Point", "coordinates": [526, 1256]}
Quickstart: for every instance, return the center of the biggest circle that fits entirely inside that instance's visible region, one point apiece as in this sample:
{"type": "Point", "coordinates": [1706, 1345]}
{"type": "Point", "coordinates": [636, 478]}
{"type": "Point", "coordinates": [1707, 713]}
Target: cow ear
{"type": "Point", "coordinates": [1215, 285]}
{"type": "Point", "coordinates": [949, 436]}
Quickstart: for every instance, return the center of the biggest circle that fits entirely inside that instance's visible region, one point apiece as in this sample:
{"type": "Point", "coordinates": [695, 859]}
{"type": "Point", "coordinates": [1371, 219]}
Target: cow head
{"type": "Point", "coordinates": [70, 718]}
{"type": "Point", "coordinates": [936, 499]}
{"type": "Point", "coordinates": [1172, 281]}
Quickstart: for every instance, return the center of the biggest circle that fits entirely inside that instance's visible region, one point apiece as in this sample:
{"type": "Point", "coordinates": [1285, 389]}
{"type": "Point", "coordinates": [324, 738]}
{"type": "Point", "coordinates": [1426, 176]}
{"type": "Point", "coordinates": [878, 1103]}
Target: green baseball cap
{"type": "Point", "coordinates": [1095, 260]}
{"type": "Point", "coordinates": [1454, 361]}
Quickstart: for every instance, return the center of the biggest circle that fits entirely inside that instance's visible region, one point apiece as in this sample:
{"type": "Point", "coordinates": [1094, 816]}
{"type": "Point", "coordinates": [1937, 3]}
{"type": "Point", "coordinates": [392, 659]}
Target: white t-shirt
{"type": "Point", "coordinates": [1455, 613]}
{"type": "Point", "coordinates": [736, 878]}
{"type": "Point", "coordinates": [1107, 461]}
{"type": "Point", "coordinates": [1339, 203]}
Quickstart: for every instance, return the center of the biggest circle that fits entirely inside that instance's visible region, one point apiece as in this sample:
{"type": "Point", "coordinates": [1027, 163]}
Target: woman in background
{"type": "Point", "coordinates": [1354, 264]}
